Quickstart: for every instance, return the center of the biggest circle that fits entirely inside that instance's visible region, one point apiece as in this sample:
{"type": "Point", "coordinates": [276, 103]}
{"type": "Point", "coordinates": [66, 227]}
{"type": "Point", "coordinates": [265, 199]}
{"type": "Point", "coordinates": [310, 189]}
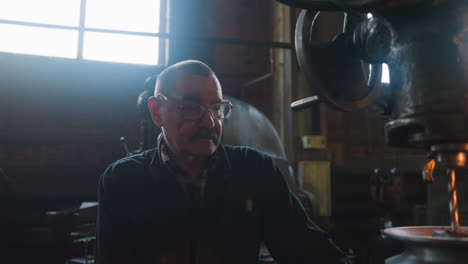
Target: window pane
{"type": "Point", "coordinates": [385, 73]}
{"type": "Point", "coordinates": [136, 15]}
{"type": "Point", "coordinates": [120, 48]}
{"type": "Point", "coordinates": [56, 12]}
{"type": "Point", "coordinates": [39, 41]}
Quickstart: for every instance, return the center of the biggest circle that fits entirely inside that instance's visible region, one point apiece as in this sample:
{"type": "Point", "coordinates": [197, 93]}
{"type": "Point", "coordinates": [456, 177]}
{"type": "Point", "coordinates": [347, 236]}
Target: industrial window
{"type": "Point", "coordinates": [385, 73]}
{"type": "Point", "coordinates": [124, 31]}
{"type": "Point", "coordinates": [385, 70]}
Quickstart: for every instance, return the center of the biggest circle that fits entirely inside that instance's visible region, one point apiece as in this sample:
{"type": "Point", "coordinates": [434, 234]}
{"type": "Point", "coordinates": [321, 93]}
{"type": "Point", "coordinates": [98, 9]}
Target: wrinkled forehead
{"type": "Point", "coordinates": [205, 88]}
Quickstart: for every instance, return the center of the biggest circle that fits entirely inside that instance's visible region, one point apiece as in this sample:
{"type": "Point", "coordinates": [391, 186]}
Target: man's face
{"type": "Point", "coordinates": [198, 137]}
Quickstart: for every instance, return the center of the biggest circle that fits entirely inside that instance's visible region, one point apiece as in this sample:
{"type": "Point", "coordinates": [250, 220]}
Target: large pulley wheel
{"type": "Point", "coordinates": [334, 70]}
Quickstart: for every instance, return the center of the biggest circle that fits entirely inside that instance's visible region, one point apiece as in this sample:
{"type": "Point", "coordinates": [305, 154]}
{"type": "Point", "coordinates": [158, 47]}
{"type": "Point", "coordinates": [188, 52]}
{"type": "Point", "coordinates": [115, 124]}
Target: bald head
{"type": "Point", "coordinates": [165, 82]}
{"type": "Point", "coordinates": [182, 106]}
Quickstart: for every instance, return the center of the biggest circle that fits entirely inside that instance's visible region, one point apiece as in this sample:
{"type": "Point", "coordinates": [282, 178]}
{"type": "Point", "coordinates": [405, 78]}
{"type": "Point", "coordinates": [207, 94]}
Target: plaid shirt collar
{"type": "Point", "coordinates": [181, 176]}
{"type": "Point", "coordinates": [167, 160]}
{"type": "Point", "coordinates": [162, 158]}
{"type": "Point", "coordinates": [193, 188]}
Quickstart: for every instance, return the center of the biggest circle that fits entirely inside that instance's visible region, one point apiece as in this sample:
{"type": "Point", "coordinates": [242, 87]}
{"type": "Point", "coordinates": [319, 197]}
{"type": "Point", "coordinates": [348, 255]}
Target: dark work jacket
{"type": "Point", "coordinates": [144, 217]}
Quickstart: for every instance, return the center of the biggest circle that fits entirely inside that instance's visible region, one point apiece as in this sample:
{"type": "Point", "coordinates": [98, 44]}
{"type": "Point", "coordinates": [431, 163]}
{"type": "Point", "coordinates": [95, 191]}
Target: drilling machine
{"type": "Point", "coordinates": [425, 45]}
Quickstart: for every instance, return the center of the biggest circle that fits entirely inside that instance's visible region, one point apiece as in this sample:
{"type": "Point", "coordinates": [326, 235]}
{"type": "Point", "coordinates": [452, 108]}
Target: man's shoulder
{"type": "Point", "coordinates": [131, 165]}
{"type": "Point", "coordinates": [245, 154]}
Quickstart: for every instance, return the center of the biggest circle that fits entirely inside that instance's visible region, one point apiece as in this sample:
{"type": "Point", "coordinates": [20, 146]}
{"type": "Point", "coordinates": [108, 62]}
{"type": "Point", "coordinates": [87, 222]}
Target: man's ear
{"type": "Point", "coordinates": [154, 107]}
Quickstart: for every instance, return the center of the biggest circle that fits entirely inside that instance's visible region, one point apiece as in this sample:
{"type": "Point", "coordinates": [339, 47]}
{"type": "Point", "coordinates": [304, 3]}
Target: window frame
{"type": "Point", "coordinates": [81, 29]}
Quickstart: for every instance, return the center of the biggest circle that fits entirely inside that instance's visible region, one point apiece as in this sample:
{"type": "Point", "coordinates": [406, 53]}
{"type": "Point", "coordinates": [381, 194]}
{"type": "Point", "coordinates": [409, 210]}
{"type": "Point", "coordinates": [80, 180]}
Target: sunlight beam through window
{"type": "Point", "coordinates": [136, 15]}
{"type": "Point", "coordinates": [55, 12]}
{"type": "Point", "coordinates": [121, 48]}
{"type": "Point", "coordinates": [39, 41]}
{"type": "Point", "coordinates": [385, 73]}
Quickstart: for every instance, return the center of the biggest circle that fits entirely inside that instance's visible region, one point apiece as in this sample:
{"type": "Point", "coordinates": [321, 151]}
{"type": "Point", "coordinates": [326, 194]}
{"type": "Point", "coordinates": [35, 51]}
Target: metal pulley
{"type": "Point", "coordinates": [338, 71]}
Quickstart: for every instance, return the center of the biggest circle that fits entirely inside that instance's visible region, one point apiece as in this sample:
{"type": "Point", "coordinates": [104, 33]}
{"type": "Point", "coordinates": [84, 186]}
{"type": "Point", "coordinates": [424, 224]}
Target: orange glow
{"type": "Point", "coordinates": [455, 200]}
{"type": "Point", "coordinates": [461, 158]}
{"type": "Point", "coordinates": [430, 165]}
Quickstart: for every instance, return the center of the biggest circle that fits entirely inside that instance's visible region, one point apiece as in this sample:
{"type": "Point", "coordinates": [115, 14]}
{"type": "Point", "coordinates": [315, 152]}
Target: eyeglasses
{"type": "Point", "coordinates": [194, 111]}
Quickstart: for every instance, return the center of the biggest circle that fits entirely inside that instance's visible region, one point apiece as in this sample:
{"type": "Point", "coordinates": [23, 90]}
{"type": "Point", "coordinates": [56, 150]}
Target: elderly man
{"type": "Point", "coordinates": [193, 201]}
